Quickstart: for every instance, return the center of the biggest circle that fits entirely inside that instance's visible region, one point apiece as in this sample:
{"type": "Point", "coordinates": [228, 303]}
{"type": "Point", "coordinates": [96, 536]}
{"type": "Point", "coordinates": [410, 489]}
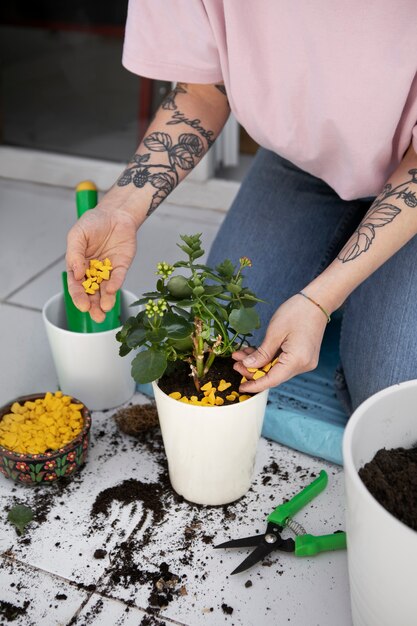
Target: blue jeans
{"type": "Point", "coordinates": [292, 225]}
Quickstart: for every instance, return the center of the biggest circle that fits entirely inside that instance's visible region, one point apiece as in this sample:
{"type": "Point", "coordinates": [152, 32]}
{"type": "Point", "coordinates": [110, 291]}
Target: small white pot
{"type": "Point", "coordinates": [211, 451]}
{"type": "Point", "coordinates": [88, 365]}
{"type": "Point", "coordinates": [382, 551]}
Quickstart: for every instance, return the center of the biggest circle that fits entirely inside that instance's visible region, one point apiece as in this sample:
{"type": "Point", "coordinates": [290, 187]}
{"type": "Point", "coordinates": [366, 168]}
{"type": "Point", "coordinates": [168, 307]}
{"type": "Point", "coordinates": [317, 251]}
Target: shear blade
{"type": "Point", "coordinates": [245, 542]}
{"type": "Point", "coordinates": [254, 557]}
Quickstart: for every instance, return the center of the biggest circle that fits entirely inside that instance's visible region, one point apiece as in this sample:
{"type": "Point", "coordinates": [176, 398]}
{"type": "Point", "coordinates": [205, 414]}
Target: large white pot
{"type": "Point", "coordinates": [382, 551]}
{"type": "Point", "coordinates": [211, 451]}
{"type": "Point", "coordinates": [88, 365]}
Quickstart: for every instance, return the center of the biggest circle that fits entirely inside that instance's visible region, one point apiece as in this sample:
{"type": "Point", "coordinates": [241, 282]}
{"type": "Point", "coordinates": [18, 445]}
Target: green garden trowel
{"type": "Point", "coordinates": [77, 321]}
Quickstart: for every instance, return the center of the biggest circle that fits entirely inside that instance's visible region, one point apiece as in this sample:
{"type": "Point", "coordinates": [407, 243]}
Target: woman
{"type": "Point", "coordinates": [328, 211]}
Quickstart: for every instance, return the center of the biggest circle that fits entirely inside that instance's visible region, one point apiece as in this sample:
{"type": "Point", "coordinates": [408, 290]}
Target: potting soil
{"type": "Point", "coordinates": [179, 379]}
{"type": "Point", "coordinates": [391, 477]}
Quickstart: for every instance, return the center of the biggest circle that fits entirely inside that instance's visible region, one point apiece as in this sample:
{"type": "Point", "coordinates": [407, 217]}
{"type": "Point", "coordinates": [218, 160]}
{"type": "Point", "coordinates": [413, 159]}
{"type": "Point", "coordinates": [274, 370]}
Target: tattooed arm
{"type": "Point", "coordinates": [182, 130]}
{"type": "Point", "coordinates": [297, 326]}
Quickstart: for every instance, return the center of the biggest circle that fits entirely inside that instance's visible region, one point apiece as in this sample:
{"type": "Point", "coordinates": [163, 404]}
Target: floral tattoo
{"type": "Point", "coordinates": [163, 177]}
{"type": "Point", "coordinates": [183, 155]}
{"type": "Point", "coordinates": [382, 212]}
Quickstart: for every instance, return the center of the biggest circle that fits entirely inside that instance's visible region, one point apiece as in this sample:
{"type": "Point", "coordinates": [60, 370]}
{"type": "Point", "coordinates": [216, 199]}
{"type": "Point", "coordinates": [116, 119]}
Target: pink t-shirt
{"type": "Point", "coordinates": [329, 85]}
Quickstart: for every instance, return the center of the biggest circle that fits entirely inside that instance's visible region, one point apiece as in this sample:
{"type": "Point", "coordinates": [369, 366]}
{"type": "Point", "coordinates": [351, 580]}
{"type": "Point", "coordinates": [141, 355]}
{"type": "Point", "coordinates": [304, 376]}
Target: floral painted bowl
{"type": "Point", "coordinates": [34, 469]}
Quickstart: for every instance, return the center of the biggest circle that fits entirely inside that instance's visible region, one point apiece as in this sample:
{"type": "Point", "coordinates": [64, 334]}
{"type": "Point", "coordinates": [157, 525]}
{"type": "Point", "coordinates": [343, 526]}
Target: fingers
{"type": "Point", "coordinates": [77, 293]}
{"type": "Point", "coordinates": [75, 257]}
{"type": "Point", "coordinates": [283, 370]}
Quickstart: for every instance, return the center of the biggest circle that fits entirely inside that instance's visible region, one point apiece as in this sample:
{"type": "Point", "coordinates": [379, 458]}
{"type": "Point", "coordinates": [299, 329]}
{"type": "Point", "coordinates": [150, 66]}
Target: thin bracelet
{"type": "Point", "coordinates": [301, 293]}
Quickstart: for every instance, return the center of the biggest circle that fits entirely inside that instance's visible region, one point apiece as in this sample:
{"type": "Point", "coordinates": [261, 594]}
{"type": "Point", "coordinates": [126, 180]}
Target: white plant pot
{"type": "Point", "coordinates": [382, 551]}
{"type": "Point", "coordinates": [88, 365]}
{"type": "Point", "coordinates": [211, 451]}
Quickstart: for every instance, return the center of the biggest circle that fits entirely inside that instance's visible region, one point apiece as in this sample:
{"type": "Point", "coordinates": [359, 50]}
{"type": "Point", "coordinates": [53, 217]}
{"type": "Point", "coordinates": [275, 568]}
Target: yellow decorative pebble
{"type": "Point", "coordinates": [258, 374]}
{"type": "Point", "coordinates": [267, 367]}
{"type": "Point", "coordinates": [231, 397]}
{"type": "Point", "coordinates": [175, 394]}
{"type": "Point", "coordinates": [244, 379]}
{"type": "Point", "coordinates": [275, 361]}
{"type": "Point", "coordinates": [211, 397]}
{"type": "Point", "coordinates": [47, 423]}
{"type": "Point", "coordinates": [207, 386]}
{"type": "Point", "coordinates": [219, 401]}
{"type": "Point", "coordinates": [223, 385]}
{"type": "Point", "coordinates": [252, 369]}
{"type": "Point", "coordinates": [243, 397]}
{"type": "Point", "coordinates": [184, 399]}
{"type": "Point", "coordinates": [95, 274]}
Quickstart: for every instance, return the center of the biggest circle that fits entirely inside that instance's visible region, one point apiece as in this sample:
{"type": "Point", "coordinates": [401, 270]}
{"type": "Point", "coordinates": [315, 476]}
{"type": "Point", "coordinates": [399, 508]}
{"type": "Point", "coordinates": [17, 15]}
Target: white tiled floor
{"type": "Point", "coordinates": [55, 558]}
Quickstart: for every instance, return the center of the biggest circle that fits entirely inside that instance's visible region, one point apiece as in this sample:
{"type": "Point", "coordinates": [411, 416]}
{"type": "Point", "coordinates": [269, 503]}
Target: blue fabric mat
{"type": "Point", "coordinates": [304, 413]}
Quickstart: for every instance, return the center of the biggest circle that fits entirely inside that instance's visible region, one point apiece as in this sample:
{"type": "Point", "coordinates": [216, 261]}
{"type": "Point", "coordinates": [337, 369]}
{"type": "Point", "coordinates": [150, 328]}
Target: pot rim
{"type": "Point", "coordinates": [21, 456]}
{"type": "Point", "coordinates": [348, 463]}
{"type": "Point", "coordinates": [102, 333]}
{"type": "Point", "coordinates": [220, 407]}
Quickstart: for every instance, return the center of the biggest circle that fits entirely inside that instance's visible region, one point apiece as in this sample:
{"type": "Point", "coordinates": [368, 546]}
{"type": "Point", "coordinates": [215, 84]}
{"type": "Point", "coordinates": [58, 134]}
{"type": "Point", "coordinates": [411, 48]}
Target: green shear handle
{"type": "Point", "coordinates": [289, 509]}
{"type": "Point", "coordinates": [308, 545]}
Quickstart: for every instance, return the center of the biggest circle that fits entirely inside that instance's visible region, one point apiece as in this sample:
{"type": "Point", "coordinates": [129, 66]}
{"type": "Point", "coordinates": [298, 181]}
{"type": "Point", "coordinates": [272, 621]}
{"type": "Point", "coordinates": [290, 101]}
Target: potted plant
{"type": "Point", "coordinates": [382, 550]}
{"type": "Point", "coordinates": [186, 332]}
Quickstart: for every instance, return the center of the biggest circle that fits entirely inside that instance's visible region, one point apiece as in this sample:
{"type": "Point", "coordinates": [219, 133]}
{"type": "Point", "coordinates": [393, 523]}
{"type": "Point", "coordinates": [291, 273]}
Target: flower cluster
{"type": "Point", "coordinates": [157, 307]}
{"type": "Point", "coordinates": [245, 262]}
{"type": "Point", "coordinates": [164, 269]}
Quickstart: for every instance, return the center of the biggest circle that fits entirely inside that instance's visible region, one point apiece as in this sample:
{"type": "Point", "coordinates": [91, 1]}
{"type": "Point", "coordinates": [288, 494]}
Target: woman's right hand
{"type": "Point", "coordinates": [100, 233]}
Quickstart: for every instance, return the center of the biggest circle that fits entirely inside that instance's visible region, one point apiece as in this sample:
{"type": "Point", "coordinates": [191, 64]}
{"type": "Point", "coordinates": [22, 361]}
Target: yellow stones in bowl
{"type": "Point", "coordinates": [47, 423]}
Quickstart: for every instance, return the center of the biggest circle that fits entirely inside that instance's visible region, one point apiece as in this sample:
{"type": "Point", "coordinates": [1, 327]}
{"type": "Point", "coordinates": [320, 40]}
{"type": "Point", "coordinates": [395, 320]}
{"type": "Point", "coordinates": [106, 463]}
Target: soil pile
{"type": "Point", "coordinates": [391, 477]}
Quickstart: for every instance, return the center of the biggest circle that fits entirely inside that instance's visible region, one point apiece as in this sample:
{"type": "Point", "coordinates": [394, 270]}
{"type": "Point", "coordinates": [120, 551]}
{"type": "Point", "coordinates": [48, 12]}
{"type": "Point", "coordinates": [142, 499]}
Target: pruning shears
{"type": "Point", "coordinates": [304, 544]}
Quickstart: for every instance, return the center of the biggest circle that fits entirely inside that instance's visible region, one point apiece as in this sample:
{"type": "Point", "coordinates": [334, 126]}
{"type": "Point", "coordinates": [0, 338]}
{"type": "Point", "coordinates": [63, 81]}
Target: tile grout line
{"type": "Point", "coordinates": [90, 594]}
{"type": "Point", "coordinates": [32, 278]}
{"type": "Point", "coordinates": [21, 306]}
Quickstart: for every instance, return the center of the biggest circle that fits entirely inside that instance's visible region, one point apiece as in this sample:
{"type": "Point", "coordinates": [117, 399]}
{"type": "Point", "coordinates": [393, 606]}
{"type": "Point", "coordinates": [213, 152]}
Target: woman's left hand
{"type": "Point", "coordinates": [294, 333]}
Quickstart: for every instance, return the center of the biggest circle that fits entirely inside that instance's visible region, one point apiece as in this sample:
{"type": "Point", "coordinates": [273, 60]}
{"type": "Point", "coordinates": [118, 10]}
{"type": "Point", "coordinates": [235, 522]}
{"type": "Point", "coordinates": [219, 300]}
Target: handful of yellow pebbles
{"type": "Point", "coordinates": [97, 272]}
{"type": "Point", "coordinates": [36, 426]}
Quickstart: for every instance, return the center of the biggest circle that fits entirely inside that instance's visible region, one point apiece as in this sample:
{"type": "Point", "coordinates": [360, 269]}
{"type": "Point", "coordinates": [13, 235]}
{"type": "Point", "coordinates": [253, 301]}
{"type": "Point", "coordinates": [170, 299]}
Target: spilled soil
{"type": "Point", "coordinates": [391, 477]}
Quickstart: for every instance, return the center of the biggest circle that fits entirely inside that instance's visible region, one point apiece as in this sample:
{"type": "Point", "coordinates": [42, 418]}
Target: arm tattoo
{"type": "Point", "coordinates": [169, 102]}
{"type": "Point", "coordinates": [179, 118]}
{"type": "Point", "coordinates": [162, 177]}
{"type": "Point", "coordinates": [382, 212]}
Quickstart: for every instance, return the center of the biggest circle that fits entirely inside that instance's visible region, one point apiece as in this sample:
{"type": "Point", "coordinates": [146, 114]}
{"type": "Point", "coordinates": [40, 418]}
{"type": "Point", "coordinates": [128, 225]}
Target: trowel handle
{"type": "Point", "coordinates": [289, 509]}
{"type": "Point", "coordinates": [86, 196]}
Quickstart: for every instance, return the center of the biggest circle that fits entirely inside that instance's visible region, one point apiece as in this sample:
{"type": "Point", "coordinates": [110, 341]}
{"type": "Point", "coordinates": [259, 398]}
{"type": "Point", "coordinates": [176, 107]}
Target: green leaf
{"type": "Point", "coordinates": [236, 289]}
{"type": "Point", "coordinates": [185, 249]}
{"type": "Point", "coordinates": [244, 320]}
{"type": "Point", "coordinates": [181, 264]}
{"type": "Point", "coordinates": [38, 467]}
{"type": "Point", "coordinates": [185, 314]}
{"type": "Point", "coordinates": [151, 294]}
{"type": "Point", "coordinates": [177, 327]}
{"type": "Point", "coordinates": [197, 254]}
{"type": "Point", "coordinates": [212, 290]}
{"type": "Point", "coordinates": [185, 302]}
{"type": "Point", "coordinates": [226, 269]}
{"type": "Point", "coordinates": [130, 323]}
{"type": "Point", "coordinates": [135, 337]}
{"type": "Point", "coordinates": [156, 335]}
{"type": "Point", "coordinates": [221, 311]}
{"type": "Point", "coordinates": [20, 516]}
{"type": "Point", "coordinates": [148, 365]}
